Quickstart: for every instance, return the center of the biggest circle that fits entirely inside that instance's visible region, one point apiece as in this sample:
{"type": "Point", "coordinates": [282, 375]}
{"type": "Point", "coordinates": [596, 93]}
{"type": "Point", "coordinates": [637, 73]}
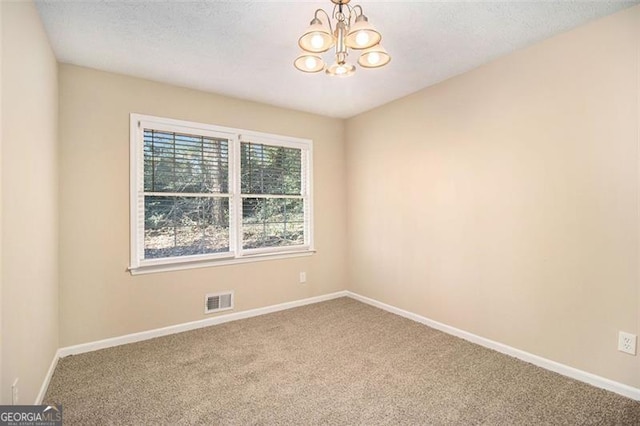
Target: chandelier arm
{"type": "Point", "coordinates": [341, 14]}
{"type": "Point", "coordinates": [325, 14]}
{"type": "Point", "coordinates": [352, 12]}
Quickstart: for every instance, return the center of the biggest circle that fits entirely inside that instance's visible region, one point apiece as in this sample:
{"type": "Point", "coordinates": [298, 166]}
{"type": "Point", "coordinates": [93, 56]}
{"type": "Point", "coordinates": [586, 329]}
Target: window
{"type": "Point", "coordinates": [204, 195]}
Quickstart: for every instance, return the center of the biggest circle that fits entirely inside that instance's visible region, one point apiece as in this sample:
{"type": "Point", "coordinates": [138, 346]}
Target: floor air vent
{"type": "Point", "coordinates": [216, 302]}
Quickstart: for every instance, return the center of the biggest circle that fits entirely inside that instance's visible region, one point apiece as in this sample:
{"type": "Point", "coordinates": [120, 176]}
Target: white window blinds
{"type": "Point", "coordinates": [203, 193]}
{"type": "Point", "coordinates": [186, 194]}
{"type": "Point", "coordinates": [272, 197]}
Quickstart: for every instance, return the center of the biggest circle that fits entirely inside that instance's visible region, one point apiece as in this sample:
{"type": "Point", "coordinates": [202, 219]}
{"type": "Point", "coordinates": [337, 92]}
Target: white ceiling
{"type": "Point", "coordinates": [246, 49]}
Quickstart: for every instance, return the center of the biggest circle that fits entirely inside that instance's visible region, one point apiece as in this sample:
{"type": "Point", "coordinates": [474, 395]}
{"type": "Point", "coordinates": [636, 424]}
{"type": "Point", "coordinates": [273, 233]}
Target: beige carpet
{"type": "Point", "coordinates": [339, 362]}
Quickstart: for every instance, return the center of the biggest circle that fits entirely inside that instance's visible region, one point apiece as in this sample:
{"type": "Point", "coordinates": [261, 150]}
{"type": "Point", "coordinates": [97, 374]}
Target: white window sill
{"type": "Point", "coordinates": [179, 266]}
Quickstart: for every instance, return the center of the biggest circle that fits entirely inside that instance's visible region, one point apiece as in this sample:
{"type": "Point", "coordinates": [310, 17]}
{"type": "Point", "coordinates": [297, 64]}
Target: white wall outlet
{"type": "Point", "coordinates": [627, 342]}
{"type": "Point", "coordinates": [14, 392]}
{"type": "Point", "coordinates": [303, 277]}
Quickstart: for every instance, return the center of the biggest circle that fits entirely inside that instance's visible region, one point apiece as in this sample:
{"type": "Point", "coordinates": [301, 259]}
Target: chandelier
{"type": "Point", "coordinates": [352, 31]}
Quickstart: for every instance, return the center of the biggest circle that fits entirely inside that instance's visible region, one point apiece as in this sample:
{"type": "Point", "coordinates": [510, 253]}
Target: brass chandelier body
{"type": "Point", "coordinates": [352, 31]}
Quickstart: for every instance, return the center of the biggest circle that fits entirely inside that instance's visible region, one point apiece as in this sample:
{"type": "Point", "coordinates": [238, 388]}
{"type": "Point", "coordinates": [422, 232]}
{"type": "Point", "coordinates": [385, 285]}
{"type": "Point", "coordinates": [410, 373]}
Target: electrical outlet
{"type": "Point", "coordinates": [14, 392]}
{"type": "Point", "coordinates": [303, 277]}
{"type": "Point", "coordinates": [627, 342]}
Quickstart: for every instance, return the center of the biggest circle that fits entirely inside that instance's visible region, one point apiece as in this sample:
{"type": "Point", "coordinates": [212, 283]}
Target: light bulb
{"type": "Point", "coordinates": [310, 62]}
{"type": "Point", "coordinates": [341, 70]}
{"type": "Point", "coordinates": [362, 38]}
{"type": "Point", "coordinates": [373, 58]}
{"type": "Point", "coordinates": [317, 41]}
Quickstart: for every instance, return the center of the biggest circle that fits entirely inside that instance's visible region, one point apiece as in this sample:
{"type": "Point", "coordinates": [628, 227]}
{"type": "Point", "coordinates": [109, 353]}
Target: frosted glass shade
{"type": "Point", "coordinates": [341, 70]}
{"type": "Point", "coordinates": [374, 57]}
{"type": "Point", "coordinates": [317, 38]}
{"type": "Point", "coordinates": [362, 35]}
{"type": "Point", "coordinates": [309, 62]}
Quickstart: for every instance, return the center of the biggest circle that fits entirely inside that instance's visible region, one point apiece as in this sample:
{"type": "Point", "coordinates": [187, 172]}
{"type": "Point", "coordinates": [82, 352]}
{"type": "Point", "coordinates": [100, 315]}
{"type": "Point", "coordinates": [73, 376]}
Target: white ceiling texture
{"type": "Point", "coordinates": [246, 49]}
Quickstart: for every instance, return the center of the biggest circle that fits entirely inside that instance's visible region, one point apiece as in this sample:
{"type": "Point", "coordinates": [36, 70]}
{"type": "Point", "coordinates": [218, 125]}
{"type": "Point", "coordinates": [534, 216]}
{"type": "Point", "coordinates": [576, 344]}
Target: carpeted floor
{"type": "Point", "coordinates": [339, 362]}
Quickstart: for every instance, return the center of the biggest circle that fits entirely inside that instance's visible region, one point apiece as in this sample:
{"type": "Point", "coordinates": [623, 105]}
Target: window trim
{"type": "Point", "coordinates": [236, 253]}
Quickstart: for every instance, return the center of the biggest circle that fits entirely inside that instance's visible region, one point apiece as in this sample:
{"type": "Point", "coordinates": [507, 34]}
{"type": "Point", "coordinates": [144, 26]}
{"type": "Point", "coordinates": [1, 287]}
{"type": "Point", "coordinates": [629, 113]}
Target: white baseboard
{"type": "Point", "coordinates": [179, 328]}
{"type": "Point", "coordinates": [565, 370]}
{"type": "Point", "coordinates": [47, 378]}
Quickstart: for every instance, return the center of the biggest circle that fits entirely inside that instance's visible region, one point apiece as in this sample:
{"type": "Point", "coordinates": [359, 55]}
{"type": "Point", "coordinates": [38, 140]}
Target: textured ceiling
{"type": "Point", "coordinates": [246, 49]}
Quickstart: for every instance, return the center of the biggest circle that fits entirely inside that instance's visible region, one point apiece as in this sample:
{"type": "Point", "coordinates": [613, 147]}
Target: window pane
{"type": "Point", "coordinates": [273, 222]}
{"type": "Point", "coordinates": [183, 226]}
{"type": "Point", "coordinates": [267, 169]}
{"type": "Point", "coordinates": [175, 162]}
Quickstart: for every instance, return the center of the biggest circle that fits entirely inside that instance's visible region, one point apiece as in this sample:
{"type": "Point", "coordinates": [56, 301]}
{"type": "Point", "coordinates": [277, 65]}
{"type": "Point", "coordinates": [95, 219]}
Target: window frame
{"type": "Point", "coordinates": [236, 253]}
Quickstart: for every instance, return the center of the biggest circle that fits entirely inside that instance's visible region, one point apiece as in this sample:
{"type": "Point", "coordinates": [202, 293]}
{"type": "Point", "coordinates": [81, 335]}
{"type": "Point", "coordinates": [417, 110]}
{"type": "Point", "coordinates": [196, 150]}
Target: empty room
{"type": "Point", "coordinates": [320, 212]}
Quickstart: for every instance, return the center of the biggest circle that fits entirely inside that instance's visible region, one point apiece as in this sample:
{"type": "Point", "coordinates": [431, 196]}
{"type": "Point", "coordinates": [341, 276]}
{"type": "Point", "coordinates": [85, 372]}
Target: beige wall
{"type": "Point", "coordinates": [98, 298]}
{"type": "Point", "coordinates": [29, 202]}
{"type": "Point", "coordinates": [504, 201]}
